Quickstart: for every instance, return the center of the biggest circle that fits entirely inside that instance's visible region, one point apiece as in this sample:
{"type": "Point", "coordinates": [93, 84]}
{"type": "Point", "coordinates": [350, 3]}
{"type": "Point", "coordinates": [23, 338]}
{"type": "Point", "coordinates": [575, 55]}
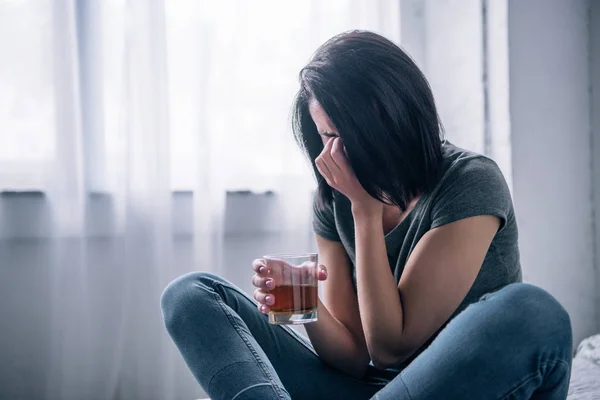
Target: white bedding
{"type": "Point", "coordinates": [585, 374]}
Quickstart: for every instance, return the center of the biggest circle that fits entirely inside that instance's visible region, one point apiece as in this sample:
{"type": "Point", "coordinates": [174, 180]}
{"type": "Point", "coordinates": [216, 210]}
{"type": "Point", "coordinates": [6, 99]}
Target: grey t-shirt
{"type": "Point", "coordinates": [471, 185]}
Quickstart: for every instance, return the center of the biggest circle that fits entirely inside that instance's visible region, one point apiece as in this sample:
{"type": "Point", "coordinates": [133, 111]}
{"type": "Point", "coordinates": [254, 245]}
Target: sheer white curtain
{"type": "Point", "coordinates": [116, 111]}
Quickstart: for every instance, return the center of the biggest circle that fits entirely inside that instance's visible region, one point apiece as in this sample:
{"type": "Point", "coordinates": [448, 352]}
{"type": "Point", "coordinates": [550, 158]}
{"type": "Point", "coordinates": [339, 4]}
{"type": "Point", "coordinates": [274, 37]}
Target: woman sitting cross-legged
{"type": "Point", "coordinates": [422, 292]}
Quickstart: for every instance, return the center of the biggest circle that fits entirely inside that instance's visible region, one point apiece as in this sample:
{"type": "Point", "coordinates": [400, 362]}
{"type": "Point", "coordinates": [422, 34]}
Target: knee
{"type": "Point", "coordinates": [184, 295]}
{"type": "Point", "coordinates": [538, 314]}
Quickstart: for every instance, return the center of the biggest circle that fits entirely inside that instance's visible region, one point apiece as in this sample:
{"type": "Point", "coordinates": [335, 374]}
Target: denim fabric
{"type": "Point", "coordinates": [513, 344]}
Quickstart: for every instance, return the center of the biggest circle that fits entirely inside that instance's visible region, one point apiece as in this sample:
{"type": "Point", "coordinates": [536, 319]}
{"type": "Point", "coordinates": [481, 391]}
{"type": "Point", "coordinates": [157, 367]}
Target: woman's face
{"type": "Point", "coordinates": [324, 125]}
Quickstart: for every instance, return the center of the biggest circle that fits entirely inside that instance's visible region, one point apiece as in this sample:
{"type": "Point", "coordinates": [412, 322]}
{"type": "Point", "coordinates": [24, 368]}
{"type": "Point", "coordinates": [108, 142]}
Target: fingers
{"type": "Point", "coordinates": [321, 272]}
{"type": "Point", "coordinates": [309, 271]}
{"type": "Point", "coordinates": [338, 154]}
{"type": "Point", "coordinates": [263, 308]}
{"type": "Point", "coordinates": [260, 266]}
{"type": "Point", "coordinates": [264, 300]}
{"type": "Point", "coordinates": [332, 160]}
{"type": "Point", "coordinates": [324, 170]}
{"type": "Point", "coordinates": [271, 268]}
{"type": "Point", "coordinates": [264, 297]}
{"type": "Point", "coordinates": [324, 162]}
{"type": "Point", "coordinates": [327, 157]}
{"type": "Point", "coordinates": [263, 282]}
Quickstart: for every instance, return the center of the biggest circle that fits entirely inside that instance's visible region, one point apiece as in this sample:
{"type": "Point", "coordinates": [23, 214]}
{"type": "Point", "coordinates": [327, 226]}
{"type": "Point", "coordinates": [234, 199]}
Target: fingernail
{"type": "Point", "coordinates": [269, 299]}
{"type": "Point", "coordinates": [263, 308]}
{"type": "Point", "coordinates": [261, 270]}
{"type": "Point", "coordinates": [269, 283]}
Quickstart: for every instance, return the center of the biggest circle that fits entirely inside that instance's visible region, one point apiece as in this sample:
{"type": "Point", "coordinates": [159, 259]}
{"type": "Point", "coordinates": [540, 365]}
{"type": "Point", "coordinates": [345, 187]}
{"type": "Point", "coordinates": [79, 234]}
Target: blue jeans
{"type": "Point", "coordinates": [515, 343]}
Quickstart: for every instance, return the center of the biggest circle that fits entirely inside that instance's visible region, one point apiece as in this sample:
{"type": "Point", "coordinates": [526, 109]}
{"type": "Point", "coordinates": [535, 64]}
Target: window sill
{"type": "Point", "coordinates": [28, 214]}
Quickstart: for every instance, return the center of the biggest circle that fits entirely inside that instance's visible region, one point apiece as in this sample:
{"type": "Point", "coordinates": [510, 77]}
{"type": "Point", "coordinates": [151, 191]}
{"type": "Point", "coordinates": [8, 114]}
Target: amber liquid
{"type": "Point", "coordinates": [295, 299]}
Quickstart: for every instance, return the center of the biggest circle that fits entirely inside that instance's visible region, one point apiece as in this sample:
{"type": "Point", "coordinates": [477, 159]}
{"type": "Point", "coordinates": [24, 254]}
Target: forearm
{"type": "Point", "coordinates": [336, 344]}
{"type": "Point", "coordinates": [378, 296]}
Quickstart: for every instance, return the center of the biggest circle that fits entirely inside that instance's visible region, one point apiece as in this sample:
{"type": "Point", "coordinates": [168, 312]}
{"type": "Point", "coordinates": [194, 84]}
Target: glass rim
{"type": "Point", "coordinates": [281, 256]}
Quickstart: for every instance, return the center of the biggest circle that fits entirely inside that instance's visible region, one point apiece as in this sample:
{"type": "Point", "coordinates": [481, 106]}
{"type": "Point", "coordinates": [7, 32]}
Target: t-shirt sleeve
{"type": "Point", "coordinates": [475, 187]}
{"type": "Point", "coordinates": [324, 221]}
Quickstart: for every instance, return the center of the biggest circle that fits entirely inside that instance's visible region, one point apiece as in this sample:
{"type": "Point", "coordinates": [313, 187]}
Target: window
{"type": "Point", "coordinates": [231, 71]}
{"type": "Point", "coordinates": [27, 113]}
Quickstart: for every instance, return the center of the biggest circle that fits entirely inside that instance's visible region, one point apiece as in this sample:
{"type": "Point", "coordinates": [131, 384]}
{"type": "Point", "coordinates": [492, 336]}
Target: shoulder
{"type": "Point", "coordinates": [471, 185]}
{"type": "Point", "coordinates": [466, 169]}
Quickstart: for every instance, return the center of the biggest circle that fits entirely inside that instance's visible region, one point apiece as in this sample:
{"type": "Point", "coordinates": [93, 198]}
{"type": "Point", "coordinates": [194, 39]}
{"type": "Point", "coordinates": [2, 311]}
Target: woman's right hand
{"type": "Point", "coordinates": [266, 277]}
{"type": "Point", "coordinates": [264, 281]}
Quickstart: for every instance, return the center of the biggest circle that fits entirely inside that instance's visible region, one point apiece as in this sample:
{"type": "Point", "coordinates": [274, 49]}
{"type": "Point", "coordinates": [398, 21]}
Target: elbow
{"type": "Point", "coordinates": [384, 362]}
{"type": "Point", "coordinates": [386, 358]}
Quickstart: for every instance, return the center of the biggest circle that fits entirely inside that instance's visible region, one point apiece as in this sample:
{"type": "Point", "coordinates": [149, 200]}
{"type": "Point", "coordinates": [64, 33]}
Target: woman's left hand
{"type": "Point", "coordinates": [334, 166]}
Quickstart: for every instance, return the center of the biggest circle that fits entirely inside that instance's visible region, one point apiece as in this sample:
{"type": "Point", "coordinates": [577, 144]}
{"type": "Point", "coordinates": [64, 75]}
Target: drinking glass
{"type": "Point", "coordinates": [296, 288]}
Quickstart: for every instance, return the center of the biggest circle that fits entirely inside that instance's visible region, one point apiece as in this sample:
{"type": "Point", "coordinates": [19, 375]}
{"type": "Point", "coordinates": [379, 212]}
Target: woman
{"type": "Point", "coordinates": [421, 271]}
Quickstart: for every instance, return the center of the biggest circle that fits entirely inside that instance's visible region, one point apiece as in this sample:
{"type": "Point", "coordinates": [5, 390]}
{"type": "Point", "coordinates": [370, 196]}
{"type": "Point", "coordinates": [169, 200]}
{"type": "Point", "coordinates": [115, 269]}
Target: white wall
{"type": "Point", "coordinates": [446, 39]}
{"type": "Point", "coordinates": [595, 110]}
{"type": "Point", "coordinates": [453, 65]}
{"type": "Point", "coordinates": [497, 85]}
{"type": "Point", "coordinates": [550, 130]}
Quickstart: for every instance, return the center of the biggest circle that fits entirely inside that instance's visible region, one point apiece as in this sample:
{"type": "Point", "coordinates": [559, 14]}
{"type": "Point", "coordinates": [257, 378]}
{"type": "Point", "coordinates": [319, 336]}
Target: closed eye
{"type": "Point", "coordinates": [329, 134]}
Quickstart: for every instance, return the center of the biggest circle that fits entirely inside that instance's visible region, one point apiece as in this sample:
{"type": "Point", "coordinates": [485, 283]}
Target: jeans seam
{"type": "Point", "coordinates": [532, 375]}
{"type": "Point", "coordinates": [257, 358]}
{"type": "Point", "coordinates": [222, 369]}
{"type": "Point", "coordinates": [248, 388]}
{"type": "Point", "coordinates": [405, 387]}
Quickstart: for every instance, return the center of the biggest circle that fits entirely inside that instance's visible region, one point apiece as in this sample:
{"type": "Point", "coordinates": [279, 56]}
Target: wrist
{"type": "Point", "coordinates": [372, 210]}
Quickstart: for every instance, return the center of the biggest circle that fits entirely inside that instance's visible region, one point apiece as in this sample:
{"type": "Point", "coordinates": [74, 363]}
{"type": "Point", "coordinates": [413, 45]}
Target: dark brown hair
{"type": "Point", "coordinates": [383, 108]}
